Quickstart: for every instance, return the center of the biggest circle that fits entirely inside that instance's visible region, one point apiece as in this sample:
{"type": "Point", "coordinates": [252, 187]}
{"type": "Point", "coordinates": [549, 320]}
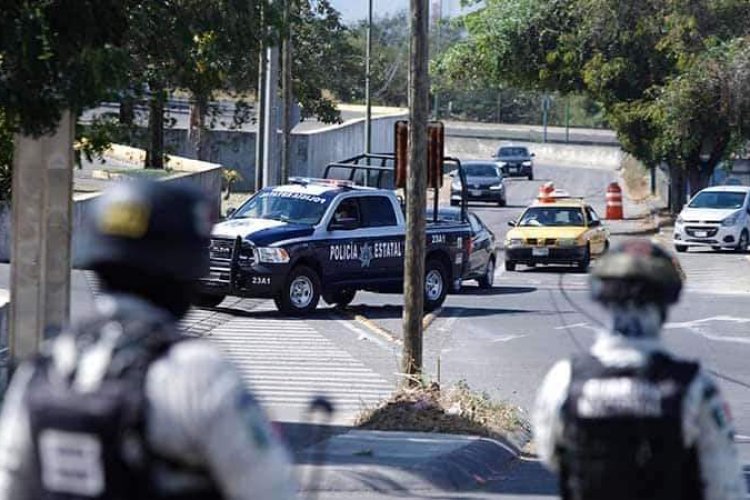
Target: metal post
{"type": "Point", "coordinates": [286, 85]}
{"type": "Point", "coordinates": [271, 132]}
{"type": "Point", "coordinates": [41, 253]}
{"type": "Point", "coordinates": [260, 133]}
{"type": "Point", "coordinates": [368, 82]}
{"type": "Point", "coordinates": [567, 119]}
{"type": "Point", "coordinates": [545, 112]}
{"type": "Point", "coordinates": [439, 29]}
{"type": "Point", "coordinates": [416, 192]}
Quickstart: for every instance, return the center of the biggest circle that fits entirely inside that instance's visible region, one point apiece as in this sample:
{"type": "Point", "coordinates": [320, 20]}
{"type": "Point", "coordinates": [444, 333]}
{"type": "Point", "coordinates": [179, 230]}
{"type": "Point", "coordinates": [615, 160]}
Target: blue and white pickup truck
{"type": "Point", "coordinates": [317, 238]}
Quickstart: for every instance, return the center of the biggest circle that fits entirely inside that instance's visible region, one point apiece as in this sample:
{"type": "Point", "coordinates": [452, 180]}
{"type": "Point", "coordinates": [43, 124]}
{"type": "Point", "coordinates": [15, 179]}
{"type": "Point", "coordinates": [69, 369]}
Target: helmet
{"type": "Point", "coordinates": [636, 271]}
{"type": "Point", "coordinates": [157, 228]}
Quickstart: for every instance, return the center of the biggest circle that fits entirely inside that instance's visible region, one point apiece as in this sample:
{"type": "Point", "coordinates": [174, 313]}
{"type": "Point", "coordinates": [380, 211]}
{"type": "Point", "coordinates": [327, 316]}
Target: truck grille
{"type": "Point", "coordinates": [220, 249]}
{"type": "Point", "coordinates": [709, 231]}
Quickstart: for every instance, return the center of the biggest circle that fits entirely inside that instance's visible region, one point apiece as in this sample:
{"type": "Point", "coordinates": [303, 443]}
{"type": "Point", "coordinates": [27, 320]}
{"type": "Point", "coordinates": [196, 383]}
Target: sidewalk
{"type": "Point", "coordinates": [402, 463]}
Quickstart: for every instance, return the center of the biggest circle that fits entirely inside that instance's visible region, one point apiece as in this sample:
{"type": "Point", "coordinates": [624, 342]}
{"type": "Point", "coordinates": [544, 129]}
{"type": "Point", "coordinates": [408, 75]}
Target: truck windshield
{"type": "Point", "coordinates": [296, 207]}
{"type": "Point", "coordinates": [718, 199]}
{"type": "Point", "coordinates": [506, 152]}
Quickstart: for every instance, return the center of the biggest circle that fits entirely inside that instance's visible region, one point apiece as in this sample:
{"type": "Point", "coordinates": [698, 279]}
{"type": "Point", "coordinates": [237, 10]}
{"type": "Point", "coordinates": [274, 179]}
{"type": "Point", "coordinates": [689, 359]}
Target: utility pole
{"type": "Point", "coordinates": [40, 253]}
{"type": "Point", "coordinates": [416, 191]}
{"type": "Point", "coordinates": [261, 100]}
{"type": "Point", "coordinates": [286, 86]}
{"type": "Point", "coordinates": [368, 83]}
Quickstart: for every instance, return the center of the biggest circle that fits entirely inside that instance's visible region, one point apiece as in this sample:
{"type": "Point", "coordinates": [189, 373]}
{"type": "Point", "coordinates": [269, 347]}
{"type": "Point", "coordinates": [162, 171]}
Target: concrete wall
{"type": "Point", "coordinates": [4, 308]}
{"type": "Point", "coordinates": [604, 157]}
{"type": "Point", "coordinates": [207, 177]}
{"type": "Point", "coordinates": [311, 150]}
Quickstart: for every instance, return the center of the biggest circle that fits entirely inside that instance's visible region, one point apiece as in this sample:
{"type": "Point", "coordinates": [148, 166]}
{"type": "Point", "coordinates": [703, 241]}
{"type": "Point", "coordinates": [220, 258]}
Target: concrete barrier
{"type": "Point", "coordinates": [311, 150]}
{"type": "Point", "coordinates": [604, 157]}
{"type": "Point", "coordinates": [206, 176]}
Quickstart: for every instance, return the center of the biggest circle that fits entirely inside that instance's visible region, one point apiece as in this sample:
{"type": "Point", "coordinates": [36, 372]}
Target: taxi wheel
{"type": "Point", "coordinates": [341, 298]}
{"type": "Point", "coordinates": [301, 293]}
{"type": "Point", "coordinates": [583, 264]}
{"type": "Point", "coordinates": [206, 300]}
{"type": "Point", "coordinates": [435, 285]}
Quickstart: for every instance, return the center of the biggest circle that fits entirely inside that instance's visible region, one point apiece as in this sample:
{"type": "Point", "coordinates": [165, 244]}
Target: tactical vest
{"type": "Point", "coordinates": [623, 436]}
{"type": "Point", "coordinates": [92, 445]}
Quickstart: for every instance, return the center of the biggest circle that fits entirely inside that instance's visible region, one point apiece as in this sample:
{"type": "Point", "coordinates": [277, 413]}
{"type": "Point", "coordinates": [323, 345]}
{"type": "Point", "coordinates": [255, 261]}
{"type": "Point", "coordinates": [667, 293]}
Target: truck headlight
{"type": "Point", "coordinates": [514, 242]}
{"type": "Point", "coordinates": [526, 163]}
{"type": "Point", "coordinates": [272, 255]}
{"type": "Point", "coordinates": [456, 185]}
{"type": "Point", "coordinates": [497, 187]}
{"type": "Point", "coordinates": [680, 220]}
{"type": "Point", "coordinates": [567, 242]}
{"type": "Point", "coordinates": [731, 220]}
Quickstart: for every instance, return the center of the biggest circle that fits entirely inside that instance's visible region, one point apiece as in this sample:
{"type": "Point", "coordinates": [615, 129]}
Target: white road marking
{"type": "Point", "coordinates": [508, 338]}
{"type": "Point", "coordinates": [700, 327]}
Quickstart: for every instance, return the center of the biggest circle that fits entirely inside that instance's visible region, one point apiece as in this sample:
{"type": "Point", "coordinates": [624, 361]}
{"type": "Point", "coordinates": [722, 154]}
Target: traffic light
{"type": "Point", "coordinates": [435, 153]}
{"type": "Point", "coordinates": [401, 152]}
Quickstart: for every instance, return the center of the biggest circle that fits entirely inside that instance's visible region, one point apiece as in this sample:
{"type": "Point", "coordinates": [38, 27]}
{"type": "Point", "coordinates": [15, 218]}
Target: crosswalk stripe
{"type": "Point", "coordinates": [287, 363]}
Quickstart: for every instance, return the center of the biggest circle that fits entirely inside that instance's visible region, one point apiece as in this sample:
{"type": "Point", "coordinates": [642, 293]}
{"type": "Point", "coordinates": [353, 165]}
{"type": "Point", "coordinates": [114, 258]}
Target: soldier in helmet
{"type": "Point", "coordinates": [628, 420]}
{"type": "Point", "coordinates": [122, 406]}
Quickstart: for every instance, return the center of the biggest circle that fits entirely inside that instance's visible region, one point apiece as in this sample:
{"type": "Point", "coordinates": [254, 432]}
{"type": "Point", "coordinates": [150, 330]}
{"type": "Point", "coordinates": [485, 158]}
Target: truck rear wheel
{"type": "Point", "coordinates": [435, 285]}
{"type": "Point", "coordinates": [340, 298]}
{"type": "Point", "coordinates": [301, 293]}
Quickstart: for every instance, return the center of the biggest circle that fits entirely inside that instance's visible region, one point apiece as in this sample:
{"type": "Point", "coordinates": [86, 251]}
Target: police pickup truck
{"type": "Point", "coordinates": [316, 238]}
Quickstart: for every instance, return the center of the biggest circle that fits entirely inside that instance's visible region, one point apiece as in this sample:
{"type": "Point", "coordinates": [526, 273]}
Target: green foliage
{"type": "Point", "coordinates": [56, 55]}
{"type": "Point", "coordinates": [671, 75]}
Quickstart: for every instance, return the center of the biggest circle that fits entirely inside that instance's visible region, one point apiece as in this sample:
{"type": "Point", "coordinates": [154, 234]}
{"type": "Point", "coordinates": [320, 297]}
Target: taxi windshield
{"type": "Point", "coordinates": [286, 206]}
{"type": "Point", "coordinates": [552, 216]}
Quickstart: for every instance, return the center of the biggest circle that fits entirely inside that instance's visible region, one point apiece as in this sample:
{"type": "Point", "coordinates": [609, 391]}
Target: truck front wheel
{"type": "Point", "coordinates": [301, 292]}
{"type": "Point", "coordinates": [435, 285]}
{"type": "Point", "coordinates": [207, 300]}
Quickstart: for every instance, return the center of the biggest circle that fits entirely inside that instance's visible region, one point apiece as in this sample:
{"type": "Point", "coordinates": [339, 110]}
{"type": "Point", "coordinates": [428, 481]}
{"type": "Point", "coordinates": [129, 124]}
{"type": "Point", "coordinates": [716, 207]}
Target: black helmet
{"type": "Point", "coordinates": [637, 271]}
{"type": "Point", "coordinates": [158, 228]}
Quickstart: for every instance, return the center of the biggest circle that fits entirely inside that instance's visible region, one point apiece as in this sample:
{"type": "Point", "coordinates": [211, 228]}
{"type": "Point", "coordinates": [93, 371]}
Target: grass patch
{"type": "Point", "coordinates": [455, 410]}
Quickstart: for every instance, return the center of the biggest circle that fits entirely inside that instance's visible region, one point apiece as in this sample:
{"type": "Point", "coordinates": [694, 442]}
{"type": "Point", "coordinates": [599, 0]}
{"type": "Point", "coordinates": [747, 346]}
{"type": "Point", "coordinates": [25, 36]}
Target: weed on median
{"type": "Point", "coordinates": [455, 410]}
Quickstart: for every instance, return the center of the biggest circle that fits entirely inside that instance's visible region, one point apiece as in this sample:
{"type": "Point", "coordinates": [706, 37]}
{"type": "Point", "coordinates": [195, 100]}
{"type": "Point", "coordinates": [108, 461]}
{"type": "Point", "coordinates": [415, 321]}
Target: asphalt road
{"type": "Point", "coordinates": [504, 340]}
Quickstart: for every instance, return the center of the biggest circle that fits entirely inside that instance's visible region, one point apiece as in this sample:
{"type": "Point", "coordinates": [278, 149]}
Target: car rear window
{"type": "Point", "coordinates": [513, 152]}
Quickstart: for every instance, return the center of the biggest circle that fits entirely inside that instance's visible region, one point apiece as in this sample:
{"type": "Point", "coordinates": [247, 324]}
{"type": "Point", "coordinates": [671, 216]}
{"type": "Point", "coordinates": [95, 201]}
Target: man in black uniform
{"type": "Point", "coordinates": [123, 406]}
{"type": "Point", "coordinates": [628, 420]}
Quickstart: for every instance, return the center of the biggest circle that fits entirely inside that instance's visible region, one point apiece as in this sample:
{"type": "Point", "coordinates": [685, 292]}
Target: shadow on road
{"type": "Point", "coordinates": [497, 290]}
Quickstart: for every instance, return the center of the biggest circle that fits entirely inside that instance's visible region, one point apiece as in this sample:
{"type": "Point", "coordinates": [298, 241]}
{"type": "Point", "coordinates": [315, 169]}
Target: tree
{"type": "Point", "coordinates": [635, 58]}
{"type": "Point", "coordinates": [6, 158]}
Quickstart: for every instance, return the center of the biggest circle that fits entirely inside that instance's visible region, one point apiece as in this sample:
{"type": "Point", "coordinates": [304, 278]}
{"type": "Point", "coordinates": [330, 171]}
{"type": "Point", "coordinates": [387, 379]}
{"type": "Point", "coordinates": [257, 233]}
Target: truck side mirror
{"type": "Point", "coordinates": [512, 223]}
{"type": "Point", "coordinates": [533, 155]}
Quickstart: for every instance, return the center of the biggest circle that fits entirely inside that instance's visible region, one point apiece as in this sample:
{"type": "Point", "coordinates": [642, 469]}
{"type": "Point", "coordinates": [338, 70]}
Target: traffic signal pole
{"type": "Point", "coordinates": [40, 254]}
{"type": "Point", "coordinates": [416, 193]}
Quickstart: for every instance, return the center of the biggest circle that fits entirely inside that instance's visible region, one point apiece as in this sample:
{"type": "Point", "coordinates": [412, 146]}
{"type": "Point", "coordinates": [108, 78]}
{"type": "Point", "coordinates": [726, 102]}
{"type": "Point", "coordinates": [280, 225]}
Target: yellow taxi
{"type": "Point", "coordinates": [555, 229]}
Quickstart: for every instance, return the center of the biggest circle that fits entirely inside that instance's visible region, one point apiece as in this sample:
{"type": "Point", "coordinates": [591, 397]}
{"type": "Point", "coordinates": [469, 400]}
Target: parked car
{"type": "Point", "coordinates": [717, 217]}
{"type": "Point", "coordinates": [484, 182]}
{"type": "Point", "coordinates": [515, 161]}
{"type": "Point", "coordinates": [480, 259]}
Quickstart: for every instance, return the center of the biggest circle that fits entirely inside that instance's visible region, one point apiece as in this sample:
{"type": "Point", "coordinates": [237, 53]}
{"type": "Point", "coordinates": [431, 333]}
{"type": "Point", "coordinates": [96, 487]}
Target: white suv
{"type": "Point", "coordinates": [717, 217]}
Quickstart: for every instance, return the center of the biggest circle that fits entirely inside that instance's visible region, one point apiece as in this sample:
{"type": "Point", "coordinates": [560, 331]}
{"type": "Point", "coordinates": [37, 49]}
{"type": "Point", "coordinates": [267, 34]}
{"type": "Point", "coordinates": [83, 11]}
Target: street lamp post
{"type": "Point", "coordinates": [368, 76]}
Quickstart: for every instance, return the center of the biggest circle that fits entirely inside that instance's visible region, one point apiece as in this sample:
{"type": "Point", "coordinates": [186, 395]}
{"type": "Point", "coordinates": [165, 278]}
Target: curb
{"type": "Point", "coordinates": [469, 467]}
{"type": "Point", "coordinates": [383, 332]}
